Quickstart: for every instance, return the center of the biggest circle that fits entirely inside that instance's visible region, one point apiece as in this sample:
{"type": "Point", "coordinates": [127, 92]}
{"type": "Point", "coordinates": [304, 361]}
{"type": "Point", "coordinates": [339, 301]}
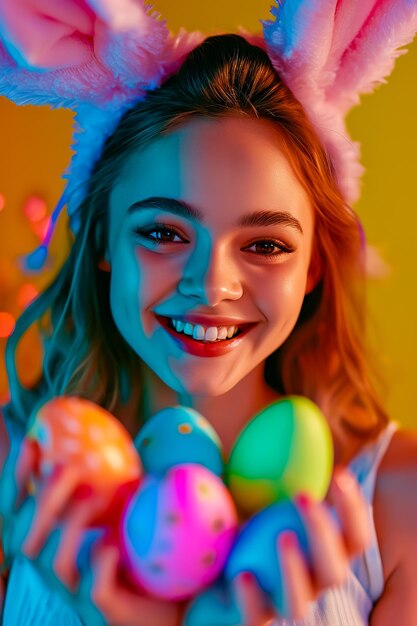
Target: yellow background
{"type": "Point", "coordinates": [35, 151]}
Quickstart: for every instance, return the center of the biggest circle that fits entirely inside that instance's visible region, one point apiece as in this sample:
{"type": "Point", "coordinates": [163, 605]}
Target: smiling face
{"type": "Point", "coordinates": [211, 264]}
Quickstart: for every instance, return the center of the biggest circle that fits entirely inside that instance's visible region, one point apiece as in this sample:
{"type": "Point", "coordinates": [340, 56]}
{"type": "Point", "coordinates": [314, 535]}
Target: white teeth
{"type": "Point", "coordinates": [200, 333]}
{"type": "Point", "coordinates": [212, 334]}
{"type": "Point", "coordinates": [222, 332]}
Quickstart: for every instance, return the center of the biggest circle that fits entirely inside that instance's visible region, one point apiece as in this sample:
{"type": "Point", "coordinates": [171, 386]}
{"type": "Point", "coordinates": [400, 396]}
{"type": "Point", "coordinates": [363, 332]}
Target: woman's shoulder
{"type": "Point", "coordinates": [395, 515]}
{"type": "Point", "coordinates": [395, 503]}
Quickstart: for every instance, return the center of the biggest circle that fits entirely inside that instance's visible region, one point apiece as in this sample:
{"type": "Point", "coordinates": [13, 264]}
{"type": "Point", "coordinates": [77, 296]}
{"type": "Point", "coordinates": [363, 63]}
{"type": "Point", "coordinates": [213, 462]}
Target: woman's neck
{"type": "Point", "coordinates": [227, 413]}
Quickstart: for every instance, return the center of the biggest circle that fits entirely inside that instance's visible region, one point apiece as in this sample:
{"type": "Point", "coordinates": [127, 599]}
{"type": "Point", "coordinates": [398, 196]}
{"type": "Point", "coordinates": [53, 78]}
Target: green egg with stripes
{"type": "Point", "coordinates": [284, 450]}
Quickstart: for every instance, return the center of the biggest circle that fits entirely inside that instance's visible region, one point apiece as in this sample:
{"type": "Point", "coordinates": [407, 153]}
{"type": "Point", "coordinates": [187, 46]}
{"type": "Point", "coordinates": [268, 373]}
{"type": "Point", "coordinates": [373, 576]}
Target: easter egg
{"type": "Point", "coordinates": [177, 531]}
{"type": "Point", "coordinates": [177, 435]}
{"type": "Point", "coordinates": [70, 430]}
{"type": "Point", "coordinates": [214, 605]}
{"type": "Point", "coordinates": [255, 549]}
{"type": "Point", "coordinates": [284, 450]}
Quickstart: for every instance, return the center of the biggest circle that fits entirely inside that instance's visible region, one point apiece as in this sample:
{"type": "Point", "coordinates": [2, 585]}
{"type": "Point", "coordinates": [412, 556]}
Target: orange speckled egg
{"type": "Point", "coordinates": [77, 431]}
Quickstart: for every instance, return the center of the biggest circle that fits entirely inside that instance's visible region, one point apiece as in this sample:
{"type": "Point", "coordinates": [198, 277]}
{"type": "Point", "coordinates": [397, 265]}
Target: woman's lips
{"type": "Point", "coordinates": [206, 348]}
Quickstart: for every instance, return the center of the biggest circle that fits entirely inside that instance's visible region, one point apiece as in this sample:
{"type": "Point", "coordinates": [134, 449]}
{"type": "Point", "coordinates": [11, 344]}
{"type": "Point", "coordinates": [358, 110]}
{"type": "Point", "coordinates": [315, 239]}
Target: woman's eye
{"type": "Point", "coordinates": [163, 234]}
{"type": "Point", "coordinates": [166, 235]}
{"type": "Point", "coordinates": [267, 246]}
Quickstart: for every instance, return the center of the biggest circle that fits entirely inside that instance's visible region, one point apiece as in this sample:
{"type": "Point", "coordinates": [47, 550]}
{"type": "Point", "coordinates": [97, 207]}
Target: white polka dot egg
{"type": "Point", "coordinates": [177, 435]}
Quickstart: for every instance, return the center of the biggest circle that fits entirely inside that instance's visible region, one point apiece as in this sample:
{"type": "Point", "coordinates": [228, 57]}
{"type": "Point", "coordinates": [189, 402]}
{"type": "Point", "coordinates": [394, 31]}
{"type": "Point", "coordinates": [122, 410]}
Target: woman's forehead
{"type": "Point", "coordinates": [214, 163]}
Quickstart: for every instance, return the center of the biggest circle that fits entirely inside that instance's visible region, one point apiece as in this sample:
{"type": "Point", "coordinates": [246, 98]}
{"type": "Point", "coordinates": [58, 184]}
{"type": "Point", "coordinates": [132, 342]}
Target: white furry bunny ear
{"type": "Point", "coordinates": [329, 52]}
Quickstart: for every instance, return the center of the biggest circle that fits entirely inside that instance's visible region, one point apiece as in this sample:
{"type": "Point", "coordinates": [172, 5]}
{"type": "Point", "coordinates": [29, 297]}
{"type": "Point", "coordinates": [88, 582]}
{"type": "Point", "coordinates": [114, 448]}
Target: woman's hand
{"type": "Point", "coordinates": [50, 528]}
{"type": "Point", "coordinates": [333, 541]}
{"type": "Point", "coordinates": [333, 538]}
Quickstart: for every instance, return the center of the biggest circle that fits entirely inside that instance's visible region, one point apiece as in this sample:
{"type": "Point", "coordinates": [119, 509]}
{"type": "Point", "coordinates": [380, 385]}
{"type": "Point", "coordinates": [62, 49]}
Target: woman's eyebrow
{"type": "Point", "coordinates": [183, 209]}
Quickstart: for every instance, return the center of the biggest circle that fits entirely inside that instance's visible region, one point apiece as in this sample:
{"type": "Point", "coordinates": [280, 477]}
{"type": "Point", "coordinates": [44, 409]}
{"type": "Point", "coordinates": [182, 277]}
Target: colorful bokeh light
{"type": "Point", "coordinates": [7, 324]}
{"type": "Point", "coordinates": [35, 208]}
{"type": "Point", "coordinates": [26, 294]}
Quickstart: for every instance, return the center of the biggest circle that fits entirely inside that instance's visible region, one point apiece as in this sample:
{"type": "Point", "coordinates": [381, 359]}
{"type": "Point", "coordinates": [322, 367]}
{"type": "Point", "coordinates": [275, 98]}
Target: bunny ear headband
{"type": "Point", "coordinates": [99, 57]}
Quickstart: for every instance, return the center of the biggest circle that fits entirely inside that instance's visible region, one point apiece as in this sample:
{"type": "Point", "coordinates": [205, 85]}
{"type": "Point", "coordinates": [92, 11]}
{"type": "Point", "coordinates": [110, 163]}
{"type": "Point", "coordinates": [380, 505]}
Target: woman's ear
{"type": "Point", "coordinates": [104, 265]}
{"type": "Point", "coordinates": [314, 273]}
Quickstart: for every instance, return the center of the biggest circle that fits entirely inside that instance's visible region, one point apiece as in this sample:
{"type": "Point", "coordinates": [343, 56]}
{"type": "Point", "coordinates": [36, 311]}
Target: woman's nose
{"type": "Point", "coordinates": [211, 277]}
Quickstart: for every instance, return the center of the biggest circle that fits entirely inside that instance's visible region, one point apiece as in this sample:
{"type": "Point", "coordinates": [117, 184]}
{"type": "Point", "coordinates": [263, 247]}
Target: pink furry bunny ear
{"type": "Point", "coordinates": [71, 51]}
{"type": "Point", "coordinates": [370, 58]}
{"type": "Point", "coordinates": [96, 57]}
{"type": "Point", "coordinates": [329, 52]}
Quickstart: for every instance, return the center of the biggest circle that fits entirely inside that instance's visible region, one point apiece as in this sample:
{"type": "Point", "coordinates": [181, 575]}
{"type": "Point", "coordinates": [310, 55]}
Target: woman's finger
{"type": "Point", "coordinates": [298, 589]}
{"type": "Point", "coordinates": [16, 529]}
{"type": "Point", "coordinates": [65, 562]}
{"type": "Point", "coordinates": [50, 503]}
{"type": "Point", "coordinates": [329, 559]}
{"type": "Point", "coordinates": [25, 467]}
{"type": "Point", "coordinates": [250, 600]}
{"type": "Point", "coordinates": [351, 509]}
{"type": "Point", "coordinates": [118, 605]}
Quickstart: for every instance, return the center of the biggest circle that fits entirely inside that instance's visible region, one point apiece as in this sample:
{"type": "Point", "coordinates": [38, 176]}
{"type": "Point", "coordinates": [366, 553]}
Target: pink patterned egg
{"type": "Point", "coordinates": [178, 530]}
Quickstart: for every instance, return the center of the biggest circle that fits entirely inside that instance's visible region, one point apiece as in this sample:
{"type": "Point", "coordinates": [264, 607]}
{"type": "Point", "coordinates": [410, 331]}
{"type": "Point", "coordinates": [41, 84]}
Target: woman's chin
{"type": "Point", "coordinates": [204, 389]}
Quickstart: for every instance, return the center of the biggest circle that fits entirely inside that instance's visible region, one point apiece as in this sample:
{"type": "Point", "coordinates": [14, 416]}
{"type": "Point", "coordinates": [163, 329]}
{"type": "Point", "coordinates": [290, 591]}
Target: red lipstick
{"type": "Point", "coordinates": [204, 348]}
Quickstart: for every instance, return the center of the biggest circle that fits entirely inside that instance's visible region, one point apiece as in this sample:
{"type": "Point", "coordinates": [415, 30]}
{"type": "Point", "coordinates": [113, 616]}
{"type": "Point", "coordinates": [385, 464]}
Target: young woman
{"type": "Point", "coordinates": [214, 204]}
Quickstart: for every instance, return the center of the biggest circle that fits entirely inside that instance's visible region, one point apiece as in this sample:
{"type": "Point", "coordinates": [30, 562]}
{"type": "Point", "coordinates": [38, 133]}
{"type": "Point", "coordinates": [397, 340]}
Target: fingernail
{"type": "Point", "coordinates": [287, 540]}
{"type": "Point", "coordinates": [246, 578]}
{"type": "Point", "coordinates": [304, 502]}
{"type": "Point", "coordinates": [83, 492]}
{"type": "Point", "coordinates": [344, 480]}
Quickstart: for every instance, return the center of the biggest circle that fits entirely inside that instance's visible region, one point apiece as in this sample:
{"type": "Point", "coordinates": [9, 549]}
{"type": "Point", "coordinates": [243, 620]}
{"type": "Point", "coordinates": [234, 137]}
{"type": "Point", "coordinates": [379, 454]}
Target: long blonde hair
{"type": "Point", "coordinates": [326, 357]}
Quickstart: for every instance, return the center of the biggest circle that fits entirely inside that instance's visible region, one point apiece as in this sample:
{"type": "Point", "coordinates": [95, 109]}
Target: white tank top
{"type": "Point", "coordinates": [29, 602]}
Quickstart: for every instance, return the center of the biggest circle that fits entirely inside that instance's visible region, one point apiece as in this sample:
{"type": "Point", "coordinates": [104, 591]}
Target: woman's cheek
{"type": "Point", "coordinates": [160, 272]}
{"type": "Point", "coordinates": [154, 274]}
{"type": "Point", "coordinates": [286, 279]}
{"type": "Point", "coordinates": [284, 293]}
{"type": "Point", "coordinates": [124, 288]}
